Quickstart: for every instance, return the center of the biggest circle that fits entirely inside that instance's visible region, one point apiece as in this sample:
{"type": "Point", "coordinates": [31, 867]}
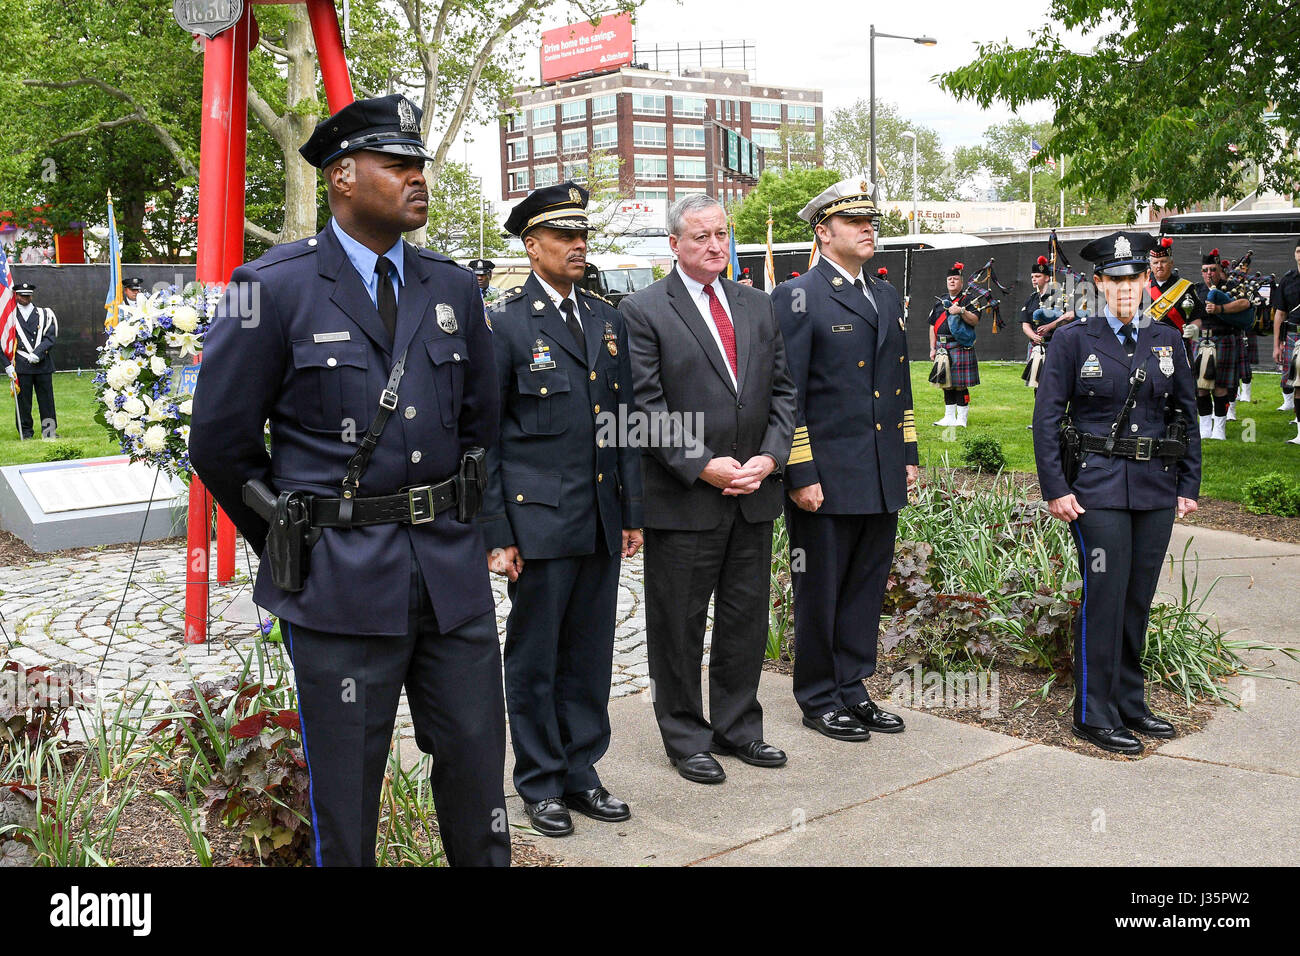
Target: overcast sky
{"type": "Point", "coordinates": [828, 51]}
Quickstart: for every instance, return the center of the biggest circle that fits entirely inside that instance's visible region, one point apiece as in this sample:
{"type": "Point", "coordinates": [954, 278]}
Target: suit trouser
{"type": "Point", "coordinates": [683, 570]}
{"type": "Point", "coordinates": [837, 602]}
{"type": "Point", "coordinates": [559, 653]}
{"type": "Point", "coordinates": [348, 689]}
{"type": "Point", "coordinates": [1120, 555]}
{"type": "Point", "coordinates": [43, 387]}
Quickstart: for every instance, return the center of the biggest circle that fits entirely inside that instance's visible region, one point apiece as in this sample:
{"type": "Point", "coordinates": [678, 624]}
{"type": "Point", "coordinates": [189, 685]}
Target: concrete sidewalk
{"type": "Point", "coordinates": [947, 793]}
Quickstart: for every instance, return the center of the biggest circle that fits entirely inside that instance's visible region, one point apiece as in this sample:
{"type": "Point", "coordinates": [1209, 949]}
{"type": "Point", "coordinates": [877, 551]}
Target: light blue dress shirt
{"type": "Point", "coordinates": [364, 260]}
{"type": "Point", "coordinates": [1116, 325]}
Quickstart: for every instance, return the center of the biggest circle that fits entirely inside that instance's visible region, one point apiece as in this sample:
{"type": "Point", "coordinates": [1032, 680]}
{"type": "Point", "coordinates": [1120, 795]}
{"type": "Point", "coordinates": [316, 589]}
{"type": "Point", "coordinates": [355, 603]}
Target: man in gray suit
{"type": "Point", "coordinates": [709, 371]}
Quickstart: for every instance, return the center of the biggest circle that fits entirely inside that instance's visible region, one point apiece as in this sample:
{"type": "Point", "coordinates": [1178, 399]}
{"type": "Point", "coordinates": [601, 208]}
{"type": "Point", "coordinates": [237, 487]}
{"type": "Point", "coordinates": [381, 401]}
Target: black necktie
{"type": "Point", "coordinates": [571, 320]}
{"type": "Point", "coordinates": [1130, 339]}
{"type": "Point", "coordinates": [387, 296]}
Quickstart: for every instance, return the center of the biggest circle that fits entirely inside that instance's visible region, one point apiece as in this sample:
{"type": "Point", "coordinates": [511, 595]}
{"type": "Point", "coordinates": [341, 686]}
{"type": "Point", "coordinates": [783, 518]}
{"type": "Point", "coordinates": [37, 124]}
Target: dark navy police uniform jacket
{"type": "Point", "coordinates": [1086, 368]}
{"type": "Point", "coordinates": [560, 468]}
{"type": "Point", "coordinates": [313, 358]}
{"type": "Point", "coordinates": [854, 431]}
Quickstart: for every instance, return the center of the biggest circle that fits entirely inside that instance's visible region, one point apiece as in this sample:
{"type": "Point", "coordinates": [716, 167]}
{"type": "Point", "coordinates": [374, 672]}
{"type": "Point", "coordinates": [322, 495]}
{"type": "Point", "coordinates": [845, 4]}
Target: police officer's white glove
{"type": "Point", "coordinates": [11, 372]}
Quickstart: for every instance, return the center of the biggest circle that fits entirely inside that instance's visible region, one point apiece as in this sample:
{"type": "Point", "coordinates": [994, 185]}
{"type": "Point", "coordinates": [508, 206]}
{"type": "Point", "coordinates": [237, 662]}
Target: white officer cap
{"type": "Point", "coordinates": [848, 197]}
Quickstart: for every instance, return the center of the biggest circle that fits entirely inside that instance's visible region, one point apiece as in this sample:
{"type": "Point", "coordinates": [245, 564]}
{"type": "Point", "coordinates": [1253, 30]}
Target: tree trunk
{"type": "Point", "coordinates": [299, 175]}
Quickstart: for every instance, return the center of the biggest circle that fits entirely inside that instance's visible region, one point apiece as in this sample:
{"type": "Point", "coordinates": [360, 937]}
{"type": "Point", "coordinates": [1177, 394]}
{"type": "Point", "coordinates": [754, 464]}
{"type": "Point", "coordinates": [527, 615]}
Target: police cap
{"type": "Point", "coordinates": [1119, 254]}
{"type": "Point", "coordinates": [563, 206]}
{"type": "Point", "coordinates": [386, 124]}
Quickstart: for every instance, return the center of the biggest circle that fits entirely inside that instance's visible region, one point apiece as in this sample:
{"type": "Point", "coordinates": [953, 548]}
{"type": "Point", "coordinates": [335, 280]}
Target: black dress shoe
{"type": "Point", "coordinates": [1115, 739]}
{"type": "Point", "coordinates": [839, 725]}
{"type": "Point", "coordinates": [549, 817]}
{"type": "Point", "coordinates": [700, 768]}
{"type": "Point", "coordinates": [873, 718]}
{"type": "Point", "coordinates": [1150, 726]}
{"type": "Point", "coordinates": [598, 804]}
{"type": "Point", "coordinates": [756, 752]}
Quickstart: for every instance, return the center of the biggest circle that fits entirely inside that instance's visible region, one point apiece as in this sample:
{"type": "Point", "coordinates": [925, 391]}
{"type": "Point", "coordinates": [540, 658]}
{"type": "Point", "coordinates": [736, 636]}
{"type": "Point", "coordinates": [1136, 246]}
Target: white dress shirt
{"type": "Point", "coordinates": [556, 299]}
{"type": "Point", "coordinates": [852, 279]}
{"type": "Point", "coordinates": [701, 300]}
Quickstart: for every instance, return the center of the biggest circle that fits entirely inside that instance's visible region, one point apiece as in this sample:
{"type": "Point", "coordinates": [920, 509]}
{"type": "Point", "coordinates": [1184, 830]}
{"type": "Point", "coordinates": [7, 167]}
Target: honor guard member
{"type": "Point", "coordinates": [1212, 405]}
{"type": "Point", "coordinates": [1285, 303]}
{"type": "Point", "coordinates": [1125, 463]}
{"type": "Point", "coordinates": [853, 456]}
{"type": "Point", "coordinates": [964, 366]}
{"type": "Point", "coordinates": [36, 330]}
{"type": "Point", "coordinates": [373, 362]}
{"type": "Point", "coordinates": [563, 505]}
{"type": "Point", "coordinates": [1173, 298]}
{"type": "Point", "coordinates": [130, 295]}
{"type": "Point", "coordinates": [483, 269]}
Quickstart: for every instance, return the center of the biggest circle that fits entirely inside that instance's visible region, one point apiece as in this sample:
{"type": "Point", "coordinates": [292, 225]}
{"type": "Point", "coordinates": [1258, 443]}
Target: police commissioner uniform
{"type": "Point", "coordinates": [854, 434]}
{"type": "Point", "coordinates": [1129, 496]}
{"type": "Point", "coordinates": [397, 594]}
{"type": "Point", "coordinates": [561, 488]}
{"type": "Point", "coordinates": [36, 330]}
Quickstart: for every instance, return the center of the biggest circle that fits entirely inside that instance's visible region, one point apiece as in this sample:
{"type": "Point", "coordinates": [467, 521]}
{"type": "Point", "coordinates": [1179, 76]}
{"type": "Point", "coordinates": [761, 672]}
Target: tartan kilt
{"type": "Point", "coordinates": [1229, 357]}
{"type": "Point", "coordinates": [965, 366]}
{"type": "Point", "coordinates": [1252, 348]}
{"type": "Point", "coordinates": [1292, 339]}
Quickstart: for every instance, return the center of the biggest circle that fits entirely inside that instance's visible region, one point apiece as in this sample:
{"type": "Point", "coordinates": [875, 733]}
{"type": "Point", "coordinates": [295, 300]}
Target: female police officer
{"type": "Point", "coordinates": [1127, 465]}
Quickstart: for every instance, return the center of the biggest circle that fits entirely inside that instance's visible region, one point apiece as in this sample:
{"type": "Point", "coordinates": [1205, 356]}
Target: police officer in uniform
{"type": "Point", "coordinates": [373, 362]}
{"type": "Point", "coordinates": [36, 331]}
{"type": "Point", "coordinates": [1173, 298]}
{"type": "Point", "coordinates": [131, 287]}
{"type": "Point", "coordinates": [1285, 303]}
{"type": "Point", "coordinates": [853, 456]}
{"type": "Point", "coordinates": [483, 269]}
{"type": "Point", "coordinates": [964, 366]}
{"type": "Point", "coordinates": [563, 505]}
{"type": "Point", "coordinates": [1212, 405]}
{"type": "Point", "coordinates": [1121, 379]}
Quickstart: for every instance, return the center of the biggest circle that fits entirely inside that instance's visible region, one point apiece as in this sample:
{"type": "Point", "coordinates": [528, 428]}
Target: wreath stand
{"type": "Point", "coordinates": [222, 168]}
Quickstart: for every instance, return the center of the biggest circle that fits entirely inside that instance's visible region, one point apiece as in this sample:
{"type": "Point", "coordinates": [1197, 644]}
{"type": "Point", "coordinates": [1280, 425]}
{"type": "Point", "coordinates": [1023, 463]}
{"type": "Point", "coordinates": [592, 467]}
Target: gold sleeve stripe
{"type": "Point", "coordinates": [800, 455]}
{"type": "Point", "coordinates": [801, 431]}
{"type": "Point", "coordinates": [909, 434]}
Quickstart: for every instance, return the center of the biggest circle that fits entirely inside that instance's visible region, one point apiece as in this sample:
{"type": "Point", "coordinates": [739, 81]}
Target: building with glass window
{"type": "Point", "coordinates": [706, 130]}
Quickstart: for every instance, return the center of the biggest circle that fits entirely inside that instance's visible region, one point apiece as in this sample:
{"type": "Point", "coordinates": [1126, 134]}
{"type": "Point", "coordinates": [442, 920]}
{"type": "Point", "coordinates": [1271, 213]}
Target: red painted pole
{"type": "Point", "coordinates": [214, 160]}
{"type": "Point", "coordinates": [233, 254]}
{"type": "Point", "coordinates": [329, 53]}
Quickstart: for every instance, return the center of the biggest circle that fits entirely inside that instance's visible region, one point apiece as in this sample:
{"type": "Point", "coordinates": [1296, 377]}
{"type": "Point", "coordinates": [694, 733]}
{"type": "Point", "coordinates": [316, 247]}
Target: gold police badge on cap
{"type": "Point", "coordinates": [446, 316]}
{"type": "Point", "coordinates": [575, 196]}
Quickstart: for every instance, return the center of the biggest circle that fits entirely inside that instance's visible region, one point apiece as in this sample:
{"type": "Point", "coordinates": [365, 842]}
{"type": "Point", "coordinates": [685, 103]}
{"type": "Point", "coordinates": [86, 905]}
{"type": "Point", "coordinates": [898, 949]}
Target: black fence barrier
{"type": "Point", "coordinates": [76, 293]}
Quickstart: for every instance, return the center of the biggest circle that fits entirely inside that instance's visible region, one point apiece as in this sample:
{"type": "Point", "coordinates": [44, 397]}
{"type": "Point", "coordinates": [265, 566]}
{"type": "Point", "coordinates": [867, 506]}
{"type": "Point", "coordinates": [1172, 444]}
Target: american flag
{"type": "Point", "coordinates": [8, 318]}
{"type": "Point", "coordinates": [1035, 149]}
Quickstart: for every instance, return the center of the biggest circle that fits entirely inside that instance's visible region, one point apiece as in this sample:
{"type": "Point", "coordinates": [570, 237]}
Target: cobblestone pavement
{"type": "Point", "coordinates": [62, 608]}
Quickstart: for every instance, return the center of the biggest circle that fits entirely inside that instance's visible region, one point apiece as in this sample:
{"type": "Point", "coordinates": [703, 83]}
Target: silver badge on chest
{"type": "Point", "coordinates": [1165, 353]}
{"type": "Point", "coordinates": [446, 318]}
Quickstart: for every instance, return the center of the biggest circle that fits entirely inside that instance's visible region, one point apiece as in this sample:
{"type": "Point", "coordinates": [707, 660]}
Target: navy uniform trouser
{"type": "Point", "coordinates": [42, 386]}
{"type": "Point", "coordinates": [348, 689]}
{"type": "Point", "coordinates": [837, 601]}
{"type": "Point", "coordinates": [1121, 553]}
{"type": "Point", "coordinates": [731, 564]}
{"type": "Point", "coordinates": [559, 653]}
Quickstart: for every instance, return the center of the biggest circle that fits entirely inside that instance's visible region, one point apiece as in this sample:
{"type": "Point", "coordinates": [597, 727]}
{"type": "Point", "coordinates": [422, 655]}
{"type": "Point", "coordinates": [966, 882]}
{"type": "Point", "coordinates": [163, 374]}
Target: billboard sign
{"type": "Point", "coordinates": [586, 48]}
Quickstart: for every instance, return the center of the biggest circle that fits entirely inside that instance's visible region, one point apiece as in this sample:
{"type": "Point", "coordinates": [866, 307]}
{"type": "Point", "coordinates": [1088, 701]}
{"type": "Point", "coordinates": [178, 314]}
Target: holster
{"type": "Point", "coordinates": [290, 535]}
{"type": "Point", "coordinates": [471, 482]}
{"type": "Point", "coordinates": [1071, 454]}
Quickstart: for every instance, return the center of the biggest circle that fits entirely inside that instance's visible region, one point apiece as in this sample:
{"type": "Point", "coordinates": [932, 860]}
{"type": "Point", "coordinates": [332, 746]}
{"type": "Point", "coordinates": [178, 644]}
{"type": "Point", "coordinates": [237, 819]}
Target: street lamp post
{"type": "Point", "coordinates": [479, 181]}
{"type": "Point", "coordinates": [923, 41]}
{"type": "Point", "coordinates": [910, 134]}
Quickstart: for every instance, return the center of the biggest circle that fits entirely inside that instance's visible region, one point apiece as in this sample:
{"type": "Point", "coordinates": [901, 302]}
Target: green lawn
{"type": "Point", "coordinates": [74, 401]}
{"type": "Point", "coordinates": [1001, 408]}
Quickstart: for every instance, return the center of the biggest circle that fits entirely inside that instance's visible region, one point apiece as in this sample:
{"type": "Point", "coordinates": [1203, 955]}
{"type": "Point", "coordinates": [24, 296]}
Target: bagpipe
{"type": "Point", "coordinates": [1238, 283]}
{"type": "Point", "coordinates": [1064, 294]}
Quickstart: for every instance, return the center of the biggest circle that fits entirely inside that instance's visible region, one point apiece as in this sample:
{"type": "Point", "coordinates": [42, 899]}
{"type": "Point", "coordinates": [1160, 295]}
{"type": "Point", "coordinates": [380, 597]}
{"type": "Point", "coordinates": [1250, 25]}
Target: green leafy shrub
{"type": "Point", "coordinates": [35, 702]}
{"type": "Point", "coordinates": [63, 451]}
{"type": "Point", "coordinates": [1272, 494]}
{"type": "Point", "coordinates": [984, 454]}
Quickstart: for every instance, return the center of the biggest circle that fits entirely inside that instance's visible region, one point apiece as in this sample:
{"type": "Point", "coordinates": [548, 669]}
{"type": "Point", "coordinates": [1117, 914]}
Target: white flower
{"type": "Point", "coordinates": [158, 365]}
{"type": "Point", "coordinates": [155, 438]}
{"type": "Point", "coordinates": [109, 399]}
{"type": "Point", "coordinates": [133, 407]}
{"type": "Point", "coordinates": [120, 420]}
{"type": "Point", "coordinates": [185, 318]}
{"type": "Point", "coordinates": [122, 373]}
{"type": "Point", "coordinates": [125, 334]}
{"type": "Point", "coordinates": [184, 432]}
{"type": "Point", "coordinates": [134, 429]}
{"type": "Point", "coordinates": [186, 407]}
{"type": "Point", "coordinates": [158, 409]}
{"type": "Point", "coordinates": [151, 349]}
{"type": "Point", "coordinates": [188, 343]}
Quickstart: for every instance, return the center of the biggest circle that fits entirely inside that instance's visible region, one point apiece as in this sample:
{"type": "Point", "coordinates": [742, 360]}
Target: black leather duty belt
{"type": "Point", "coordinates": [1139, 449]}
{"type": "Point", "coordinates": [415, 505]}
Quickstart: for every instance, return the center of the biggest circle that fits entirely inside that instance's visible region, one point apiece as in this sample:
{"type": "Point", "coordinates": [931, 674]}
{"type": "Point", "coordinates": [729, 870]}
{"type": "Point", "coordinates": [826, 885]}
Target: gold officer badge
{"type": "Point", "coordinates": [575, 196]}
{"type": "Point", "coordinates": [611, 340]}
{"type": "Point", "coordinates": [837, 282]}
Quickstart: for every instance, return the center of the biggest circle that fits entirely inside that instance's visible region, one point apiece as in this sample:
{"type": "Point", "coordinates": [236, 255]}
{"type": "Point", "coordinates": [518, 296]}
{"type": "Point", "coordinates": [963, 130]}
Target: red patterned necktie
{"type": "Point", "coordinates": [725, 330]}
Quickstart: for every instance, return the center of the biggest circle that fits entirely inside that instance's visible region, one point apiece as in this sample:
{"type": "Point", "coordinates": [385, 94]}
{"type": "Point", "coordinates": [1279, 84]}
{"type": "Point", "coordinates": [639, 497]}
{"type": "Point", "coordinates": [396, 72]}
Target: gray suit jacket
{"type": "Point", "coordinates": [681, 382]}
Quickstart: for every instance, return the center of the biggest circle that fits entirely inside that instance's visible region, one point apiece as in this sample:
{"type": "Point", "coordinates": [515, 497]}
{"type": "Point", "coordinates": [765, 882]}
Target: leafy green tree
{"type": "Point", "coordinates": [785, 192]}
{"type": "Point", "coordinates": [797, 148]}
{"type": "Point", "coordinates": [848, 147]}
{"type": "Point", "coordinates": [1173, 100]}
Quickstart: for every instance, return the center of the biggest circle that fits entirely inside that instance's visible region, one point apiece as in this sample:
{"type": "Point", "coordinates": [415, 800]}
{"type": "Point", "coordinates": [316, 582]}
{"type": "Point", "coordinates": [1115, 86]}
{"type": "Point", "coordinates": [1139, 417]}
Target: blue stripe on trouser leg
{"type": "Point", "coordinates": [302, 732]}
{"type": "Point", "coordinates": [1083, 643]}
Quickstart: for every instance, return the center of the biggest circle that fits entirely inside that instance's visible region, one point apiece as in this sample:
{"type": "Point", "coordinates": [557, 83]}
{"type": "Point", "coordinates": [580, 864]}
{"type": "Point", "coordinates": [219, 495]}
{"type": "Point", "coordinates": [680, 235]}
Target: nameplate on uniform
{"type": "Point", "coordinates": [541, 357]}
{"type": "Point", "coordinates": [343, 336]}
{"type": "Point", "coordinates": [1165, 353]}
{"type": "Point", "coordinates": [1091, 368]}
{"type": "Point", "coordinates": [539, 366]}
{"type": "Point", "coordinates": [841, 328]}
